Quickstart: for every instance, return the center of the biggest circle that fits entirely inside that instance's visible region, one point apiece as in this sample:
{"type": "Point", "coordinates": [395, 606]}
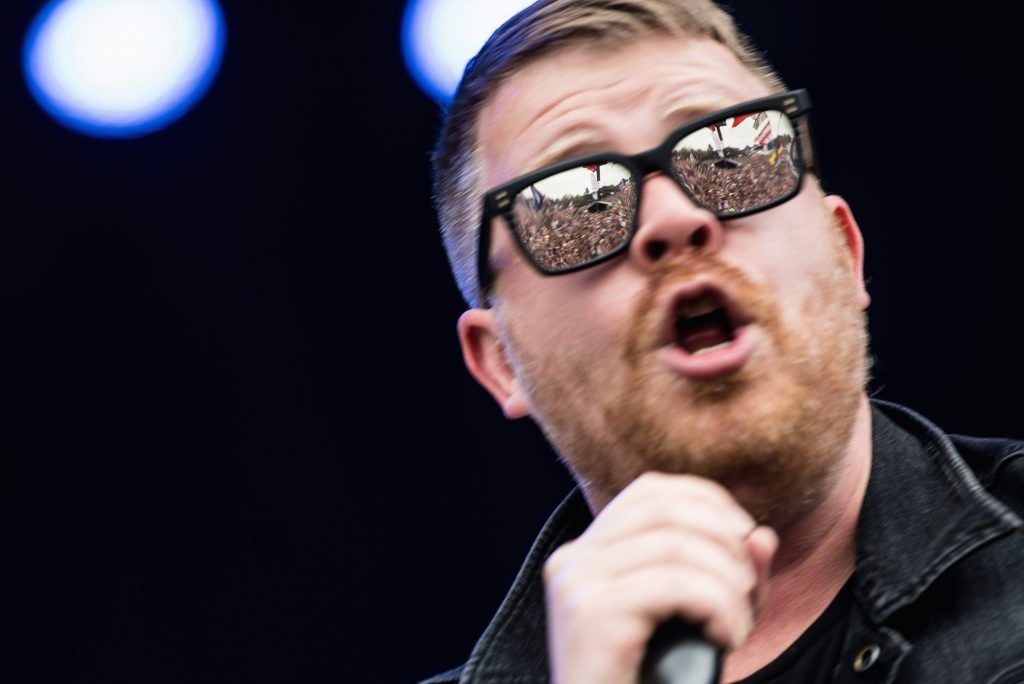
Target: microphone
{"type": "Point", "coordinates": [679, 654]}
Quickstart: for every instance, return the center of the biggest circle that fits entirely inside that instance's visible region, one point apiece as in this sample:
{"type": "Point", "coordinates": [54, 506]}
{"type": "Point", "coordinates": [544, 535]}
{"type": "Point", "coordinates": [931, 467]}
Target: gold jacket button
{"type": "Point", "coordinates": [866, 657]}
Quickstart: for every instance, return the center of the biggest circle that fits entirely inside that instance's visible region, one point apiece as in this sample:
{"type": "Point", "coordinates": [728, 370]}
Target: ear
{"type": "Point", "coordinates": [486, 356]}
{"type": "Point", "coordinates": [843, 216]}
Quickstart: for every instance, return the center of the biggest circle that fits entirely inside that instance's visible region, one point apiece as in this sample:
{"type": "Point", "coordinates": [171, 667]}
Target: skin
{"type": "Point", "coordinates": [715, 555]}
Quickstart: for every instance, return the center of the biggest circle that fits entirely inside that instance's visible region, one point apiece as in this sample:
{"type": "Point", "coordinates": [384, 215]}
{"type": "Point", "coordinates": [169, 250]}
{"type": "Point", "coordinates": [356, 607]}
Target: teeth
{"type": "Point", "coordinates": [698, 307]}
{"type": "Point", "coordinates": [705, 350]}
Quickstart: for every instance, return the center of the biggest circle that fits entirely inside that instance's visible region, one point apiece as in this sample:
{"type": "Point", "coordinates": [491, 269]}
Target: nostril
{"type": "Point", "coordinates": [700, 237]}
{"type": "Point", "coordinates": [656, 249]}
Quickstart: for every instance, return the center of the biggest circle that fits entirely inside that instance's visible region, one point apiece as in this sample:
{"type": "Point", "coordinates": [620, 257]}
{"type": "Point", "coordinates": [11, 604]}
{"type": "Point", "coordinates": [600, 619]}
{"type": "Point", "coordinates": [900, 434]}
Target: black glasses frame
{"type": "Point", "coordinates": [499, 201]}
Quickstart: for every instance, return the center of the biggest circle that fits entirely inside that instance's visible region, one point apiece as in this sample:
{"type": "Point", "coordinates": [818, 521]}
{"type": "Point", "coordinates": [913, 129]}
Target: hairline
{"type": "Point", "coordinates": [474, 165]}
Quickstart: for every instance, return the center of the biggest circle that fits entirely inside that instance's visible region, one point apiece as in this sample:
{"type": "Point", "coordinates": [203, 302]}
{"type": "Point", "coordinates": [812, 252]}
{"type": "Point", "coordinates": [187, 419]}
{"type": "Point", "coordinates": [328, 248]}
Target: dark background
{"type": "Point", "coordinates": [238, 442]}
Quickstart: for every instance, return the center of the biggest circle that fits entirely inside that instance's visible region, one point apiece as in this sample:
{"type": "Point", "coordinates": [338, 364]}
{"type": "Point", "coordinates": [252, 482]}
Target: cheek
{"type": "Point", "coordinates": [816, 293]}
{"type": "Point", "coordinates": [799, 271]}
{"type": "Point", "coordinates": [572, 320]}
{"type": "Point", "coordinates": [791, 254]}
{"type": "Point", "coordinates": [571, 331]}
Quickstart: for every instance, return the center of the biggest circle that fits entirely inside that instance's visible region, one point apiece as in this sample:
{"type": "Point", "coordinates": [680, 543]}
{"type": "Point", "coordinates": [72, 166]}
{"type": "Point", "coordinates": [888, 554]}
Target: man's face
{"type": "Point", "coordinates": [614, 361]}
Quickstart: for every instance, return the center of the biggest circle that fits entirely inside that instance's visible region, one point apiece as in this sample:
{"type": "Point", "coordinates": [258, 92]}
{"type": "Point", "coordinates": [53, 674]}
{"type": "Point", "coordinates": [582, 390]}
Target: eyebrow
{"type": "Point", "coordinates": [682, 113]}
{"type": "Point", "coordinates": [574, 143]}
{"type": "Point", "coordinates": [581, 140]}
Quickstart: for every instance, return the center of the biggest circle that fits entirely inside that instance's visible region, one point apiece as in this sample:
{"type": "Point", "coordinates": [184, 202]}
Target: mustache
{"type": "Point", "coordinates": [687, 267]}
{"type": "Point", "coordinates": [652, 306]}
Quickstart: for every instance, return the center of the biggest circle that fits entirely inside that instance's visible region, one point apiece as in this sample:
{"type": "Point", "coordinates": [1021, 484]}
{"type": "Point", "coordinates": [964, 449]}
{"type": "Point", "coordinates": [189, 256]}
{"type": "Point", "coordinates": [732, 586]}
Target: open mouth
{"type": "Point", "coordinates": [703, 319]}
{"type": "Point", "coordinates": [702, 326]}
{"type": "Point", "coordinates": [706, 335]}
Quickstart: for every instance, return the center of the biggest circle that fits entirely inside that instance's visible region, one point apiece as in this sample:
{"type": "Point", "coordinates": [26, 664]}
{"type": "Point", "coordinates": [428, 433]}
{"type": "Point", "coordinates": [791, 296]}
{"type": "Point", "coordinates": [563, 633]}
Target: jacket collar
{"type": "Point", "coordinates": [923, 511]}
{"type": "Point", "coordinates": [513, 648]}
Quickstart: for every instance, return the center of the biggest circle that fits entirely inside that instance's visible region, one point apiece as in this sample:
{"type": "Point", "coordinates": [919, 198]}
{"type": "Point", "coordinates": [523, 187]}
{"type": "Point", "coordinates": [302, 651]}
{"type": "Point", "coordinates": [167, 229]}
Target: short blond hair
{"type": "Point", "coordinates": [545, 27]}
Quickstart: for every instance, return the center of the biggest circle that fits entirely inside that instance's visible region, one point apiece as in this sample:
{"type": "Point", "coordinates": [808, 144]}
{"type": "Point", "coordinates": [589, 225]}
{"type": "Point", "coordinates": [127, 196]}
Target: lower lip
{"type": "Point", "coordinates": [715, 363]}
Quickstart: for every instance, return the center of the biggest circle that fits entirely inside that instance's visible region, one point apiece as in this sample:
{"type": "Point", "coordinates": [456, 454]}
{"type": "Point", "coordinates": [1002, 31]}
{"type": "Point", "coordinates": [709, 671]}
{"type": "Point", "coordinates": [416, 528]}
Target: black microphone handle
{"type": "Point", "coordinates": [679, 654]}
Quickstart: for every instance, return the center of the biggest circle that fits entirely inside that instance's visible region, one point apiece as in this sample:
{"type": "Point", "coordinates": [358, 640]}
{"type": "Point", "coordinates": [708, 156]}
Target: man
{"type": "Point", "coordinates": [630, 206]}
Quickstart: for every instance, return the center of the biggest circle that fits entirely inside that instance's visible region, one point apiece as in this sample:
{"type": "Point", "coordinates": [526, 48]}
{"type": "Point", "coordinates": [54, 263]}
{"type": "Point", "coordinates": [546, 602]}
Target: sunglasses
{"type": "Point", "coordinates": [581, 212]}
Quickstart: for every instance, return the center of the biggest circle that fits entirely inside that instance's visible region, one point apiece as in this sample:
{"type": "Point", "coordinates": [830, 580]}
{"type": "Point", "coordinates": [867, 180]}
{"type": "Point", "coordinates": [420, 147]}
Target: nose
{"type": "Point", "coordinates": [670, 223]}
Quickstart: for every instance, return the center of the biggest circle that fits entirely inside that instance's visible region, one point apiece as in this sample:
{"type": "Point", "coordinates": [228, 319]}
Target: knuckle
{"type": "Point", "coordinates": [648, 480]}
{"type": "Point", "coordinates": [720, 599]}
{"type": "Point", "coordinates": [678, 514]}
{"type": "Point", "coordinates": [748, 582]}
{"type": "Point", "coordinates": [663, 512]}
{"type": "Point", "coordinates": [583, 604]}
{"type": "Point", "coordinates": [730, 617]}
{"type": "Point", "coordinates": [679, 551]}
{"type": "Point", "coordinates": [723, 601]}
{"type": "Point", "coordinates": [557, 561]}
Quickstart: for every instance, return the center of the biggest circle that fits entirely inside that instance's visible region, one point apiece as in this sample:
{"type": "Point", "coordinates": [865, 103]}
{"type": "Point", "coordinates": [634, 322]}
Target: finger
{"type": "Point", "coordinates": [669, 548]}
{"type": "Point", "coordinates": [653, 485]}
{"type": "Point", "coordinates": [728, 526]}
{"type": "Point", "coordinates": [701, 598]}
{"type": "Point", "coordinates": [762, 544]}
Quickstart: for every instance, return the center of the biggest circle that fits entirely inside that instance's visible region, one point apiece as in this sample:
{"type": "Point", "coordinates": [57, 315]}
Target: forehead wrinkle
{"type": "Point", "coordinates": [592, 107]}
{"type": "Point", "coordinates": [567, 102]}
{"type": "Point", "coordinates": [680, 102]}
{"type": "Point", "coordinates": [576, 120]}
{"type": "Point", "coordinates": [676, 108]}
{"type": "Point", "coordinates": [583, 136]}
{"type": "Point", "coordinates": [705, 88]}
{"type": "Point", "coordinates": [573, 142]}
{"type": "Point", "coordinates": [558, 127]}
{"type": "Point", "coordinates": [575, 113]}
{"type": "Point", "coordinates": [682, 112]}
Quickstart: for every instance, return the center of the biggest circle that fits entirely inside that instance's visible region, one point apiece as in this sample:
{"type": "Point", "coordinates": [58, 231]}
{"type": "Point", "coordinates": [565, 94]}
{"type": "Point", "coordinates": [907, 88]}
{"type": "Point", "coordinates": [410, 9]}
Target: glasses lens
{"type": "Point", "coordinates": [576, 216]}
{"type": "Point", "coordinates": [739, 164]}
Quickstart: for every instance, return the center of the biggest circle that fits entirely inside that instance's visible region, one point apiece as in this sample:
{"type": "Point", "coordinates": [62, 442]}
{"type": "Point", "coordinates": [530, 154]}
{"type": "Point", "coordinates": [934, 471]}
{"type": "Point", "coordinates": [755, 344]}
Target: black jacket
{"type": "Point", "coordinates": [939, 581]}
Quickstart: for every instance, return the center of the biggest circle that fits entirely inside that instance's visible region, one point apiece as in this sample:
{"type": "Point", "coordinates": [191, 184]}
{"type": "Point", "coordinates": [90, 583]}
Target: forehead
{"type": "Point", "coordinates": [586, 99]}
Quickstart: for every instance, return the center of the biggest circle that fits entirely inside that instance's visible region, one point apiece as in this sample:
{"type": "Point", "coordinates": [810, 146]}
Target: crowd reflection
{"type": "Point", "coordinates": [571, 230]}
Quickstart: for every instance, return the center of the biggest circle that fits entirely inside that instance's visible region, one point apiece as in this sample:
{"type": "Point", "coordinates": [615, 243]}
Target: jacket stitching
{"type": "Point", "coordinates": [1011, 675]}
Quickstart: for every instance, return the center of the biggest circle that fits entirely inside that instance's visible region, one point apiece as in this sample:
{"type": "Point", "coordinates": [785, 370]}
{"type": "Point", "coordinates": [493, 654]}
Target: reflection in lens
{"type": "Point", "coordinates": [739, 164]}
{"type": "Point", "coordinates": [576, 216]}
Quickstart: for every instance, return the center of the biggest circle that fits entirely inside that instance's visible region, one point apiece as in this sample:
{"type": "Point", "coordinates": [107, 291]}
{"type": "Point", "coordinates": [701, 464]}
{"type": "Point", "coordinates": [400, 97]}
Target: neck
{"type": "Point", "coordinates": [816, 556]}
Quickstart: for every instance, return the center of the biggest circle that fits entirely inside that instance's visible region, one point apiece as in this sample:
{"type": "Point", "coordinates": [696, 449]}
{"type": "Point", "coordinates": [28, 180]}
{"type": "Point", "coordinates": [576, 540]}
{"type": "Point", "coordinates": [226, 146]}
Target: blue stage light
{"type": "Point", "coordinates": [440, 36]}
{"type": "Point", "coordinates": [122, 68]}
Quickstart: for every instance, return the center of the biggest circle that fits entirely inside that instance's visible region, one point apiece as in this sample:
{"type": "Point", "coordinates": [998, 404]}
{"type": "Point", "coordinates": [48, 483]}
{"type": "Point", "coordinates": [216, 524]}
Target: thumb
{"type": "Point", "coordinates": [762, 543]}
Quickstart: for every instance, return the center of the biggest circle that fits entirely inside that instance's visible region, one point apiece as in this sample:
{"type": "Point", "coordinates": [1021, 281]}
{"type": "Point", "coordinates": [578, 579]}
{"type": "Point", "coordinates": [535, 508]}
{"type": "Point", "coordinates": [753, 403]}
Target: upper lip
{"type": "Point", "coordinates": [691, 293]}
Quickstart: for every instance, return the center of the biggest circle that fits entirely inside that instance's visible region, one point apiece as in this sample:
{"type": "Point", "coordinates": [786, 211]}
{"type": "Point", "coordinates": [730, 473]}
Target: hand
{"type": "Point", "coordinates": [667, 545]}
